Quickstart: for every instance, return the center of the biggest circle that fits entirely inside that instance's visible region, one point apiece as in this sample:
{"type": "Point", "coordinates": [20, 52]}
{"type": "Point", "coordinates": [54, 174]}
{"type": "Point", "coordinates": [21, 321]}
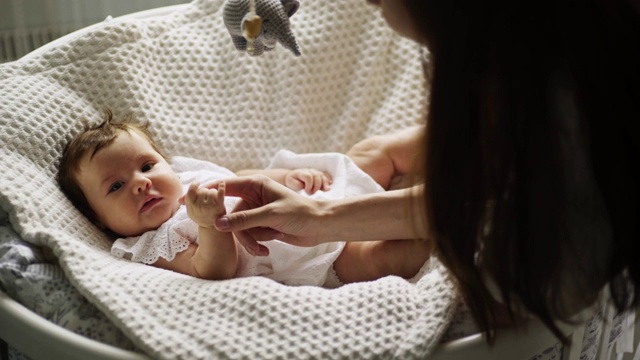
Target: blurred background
{"type": "Point", "coordinates": [28, 24]}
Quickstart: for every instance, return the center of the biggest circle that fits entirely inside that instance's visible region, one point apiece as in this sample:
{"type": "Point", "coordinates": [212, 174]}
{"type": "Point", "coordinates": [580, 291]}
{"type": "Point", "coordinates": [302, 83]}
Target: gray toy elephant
{"type": "Point", "coordinates": [274, 26]}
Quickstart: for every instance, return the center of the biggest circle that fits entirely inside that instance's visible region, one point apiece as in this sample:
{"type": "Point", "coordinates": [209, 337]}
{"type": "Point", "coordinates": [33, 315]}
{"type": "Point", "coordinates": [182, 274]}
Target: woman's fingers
{"type": "Point", "coordinates": [250, 239]}
{"type": "Point", "coordinates": [243, 218]}
{"type": "Point", "coordinates": [268, 210]}
{"type": "Point", "coordinates": [221, 192]}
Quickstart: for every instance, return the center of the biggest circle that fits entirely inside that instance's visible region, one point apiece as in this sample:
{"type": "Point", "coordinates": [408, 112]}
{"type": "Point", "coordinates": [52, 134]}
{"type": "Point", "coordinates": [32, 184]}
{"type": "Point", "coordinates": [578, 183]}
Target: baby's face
{"type": "Point", "coordinates": [131, 187]}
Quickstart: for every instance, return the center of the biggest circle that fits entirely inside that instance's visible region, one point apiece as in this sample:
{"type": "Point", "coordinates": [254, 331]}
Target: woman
{"type": "Point", "coordinates": [530, 158]}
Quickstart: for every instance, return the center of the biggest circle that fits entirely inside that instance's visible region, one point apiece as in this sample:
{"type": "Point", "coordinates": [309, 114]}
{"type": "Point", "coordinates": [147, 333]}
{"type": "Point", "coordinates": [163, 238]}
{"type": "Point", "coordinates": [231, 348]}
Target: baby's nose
{"type": "Point", "coordinates": [144, 183]}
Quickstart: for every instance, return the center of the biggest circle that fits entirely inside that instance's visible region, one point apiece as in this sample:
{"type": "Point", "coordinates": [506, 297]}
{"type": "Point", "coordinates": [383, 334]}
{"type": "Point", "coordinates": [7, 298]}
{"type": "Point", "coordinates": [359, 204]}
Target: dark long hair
{"type": "Point", "coordinates": [533, 152]}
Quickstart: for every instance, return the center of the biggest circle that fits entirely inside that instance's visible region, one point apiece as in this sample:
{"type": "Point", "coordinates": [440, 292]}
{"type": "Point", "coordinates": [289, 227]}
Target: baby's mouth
{"type": "Point", "coordinates": [149, 203]}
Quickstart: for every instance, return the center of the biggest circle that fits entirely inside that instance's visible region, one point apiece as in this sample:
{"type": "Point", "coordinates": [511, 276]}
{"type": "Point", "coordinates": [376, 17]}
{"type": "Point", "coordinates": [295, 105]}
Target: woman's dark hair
{"type": "Point", "coordinates": [532, 151]}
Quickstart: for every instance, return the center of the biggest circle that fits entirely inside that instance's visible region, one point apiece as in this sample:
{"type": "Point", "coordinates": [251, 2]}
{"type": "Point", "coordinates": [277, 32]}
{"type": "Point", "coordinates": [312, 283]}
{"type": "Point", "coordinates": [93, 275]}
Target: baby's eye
{"type": "Point", "coordinates": [147, 167]}
{"type": "Point", "coordinates": [115, 187]}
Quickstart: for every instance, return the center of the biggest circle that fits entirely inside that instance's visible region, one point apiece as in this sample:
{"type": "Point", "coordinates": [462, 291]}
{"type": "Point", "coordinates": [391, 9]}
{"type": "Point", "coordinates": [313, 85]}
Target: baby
{"type": "Point", "coordinates": [117, 176]}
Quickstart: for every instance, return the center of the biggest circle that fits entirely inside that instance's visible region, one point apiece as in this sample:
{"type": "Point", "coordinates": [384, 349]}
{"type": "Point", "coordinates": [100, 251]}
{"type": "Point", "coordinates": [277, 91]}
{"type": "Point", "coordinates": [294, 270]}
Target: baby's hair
{"type": "Point", "coordinates": [90, 141]}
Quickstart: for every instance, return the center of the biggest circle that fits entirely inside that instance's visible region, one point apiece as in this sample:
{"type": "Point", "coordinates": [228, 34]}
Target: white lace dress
{"type": "Point", "coordinates": [286, 263]}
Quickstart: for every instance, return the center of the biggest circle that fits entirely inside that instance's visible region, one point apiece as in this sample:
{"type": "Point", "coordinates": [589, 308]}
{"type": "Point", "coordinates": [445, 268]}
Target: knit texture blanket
{"type": "Point", "coordinates": [207, 100]}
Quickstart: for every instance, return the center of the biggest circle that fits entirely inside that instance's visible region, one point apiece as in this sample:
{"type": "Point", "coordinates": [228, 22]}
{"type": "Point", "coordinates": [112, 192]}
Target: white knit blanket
{"type": "Point", "coordinates": [206, 100]}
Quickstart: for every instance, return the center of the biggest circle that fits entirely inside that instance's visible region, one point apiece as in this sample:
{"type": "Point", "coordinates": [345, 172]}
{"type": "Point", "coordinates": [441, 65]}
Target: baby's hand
{"type": "Point", "coordinates": [205, 205]}
{"type": "Point", "coordinates": [311, 180]}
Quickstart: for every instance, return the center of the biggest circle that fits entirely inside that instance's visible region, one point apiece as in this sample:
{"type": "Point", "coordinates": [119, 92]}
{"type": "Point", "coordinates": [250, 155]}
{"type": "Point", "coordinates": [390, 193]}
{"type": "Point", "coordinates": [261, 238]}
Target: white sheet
{"type": "Point", "coordinates": [206, 100]}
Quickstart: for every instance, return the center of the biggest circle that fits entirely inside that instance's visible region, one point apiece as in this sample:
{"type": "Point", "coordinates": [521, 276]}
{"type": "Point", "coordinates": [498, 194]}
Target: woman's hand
{"type": "Point", "coordinates": [267, 211]}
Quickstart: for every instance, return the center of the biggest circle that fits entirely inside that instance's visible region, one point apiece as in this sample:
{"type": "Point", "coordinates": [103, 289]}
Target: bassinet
{"type": "Point", "coordinates": [176, 67]}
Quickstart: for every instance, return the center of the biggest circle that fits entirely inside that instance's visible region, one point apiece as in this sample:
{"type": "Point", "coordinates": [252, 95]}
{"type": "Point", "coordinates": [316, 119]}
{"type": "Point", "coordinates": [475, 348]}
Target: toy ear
{"type": "Point", "coordinates": [290, 6]}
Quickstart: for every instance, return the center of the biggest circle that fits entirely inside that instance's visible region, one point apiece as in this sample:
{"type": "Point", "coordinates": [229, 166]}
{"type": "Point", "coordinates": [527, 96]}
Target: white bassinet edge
{"type": "Point", "coordinates": [40, 339]}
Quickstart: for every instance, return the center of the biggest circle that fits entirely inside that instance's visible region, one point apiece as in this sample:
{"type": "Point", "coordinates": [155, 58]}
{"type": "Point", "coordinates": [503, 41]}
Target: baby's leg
{"type": "Point", "coordinates": [392, 160]}
{"type": "Point", "coordinates": [370, 156]}
{"type": "Point", "coordinates": [371, 260]}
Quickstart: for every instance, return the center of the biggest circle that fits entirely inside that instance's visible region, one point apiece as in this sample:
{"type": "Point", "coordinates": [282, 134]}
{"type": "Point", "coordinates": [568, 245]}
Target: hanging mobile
{"type": "Point", "coordinates": [256, 34]}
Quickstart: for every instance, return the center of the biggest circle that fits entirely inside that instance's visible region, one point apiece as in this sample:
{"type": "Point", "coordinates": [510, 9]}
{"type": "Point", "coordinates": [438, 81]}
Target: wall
{"type": "Point", "coordinates": [29, 24]}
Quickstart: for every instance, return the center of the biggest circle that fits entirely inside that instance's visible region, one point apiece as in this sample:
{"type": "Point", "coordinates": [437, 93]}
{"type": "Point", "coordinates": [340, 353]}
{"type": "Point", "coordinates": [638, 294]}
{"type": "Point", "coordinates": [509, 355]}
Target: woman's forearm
{"type": "Point", "coordinates": [272, 211]}
{"type": "Point", "coordinates": [389, 215]}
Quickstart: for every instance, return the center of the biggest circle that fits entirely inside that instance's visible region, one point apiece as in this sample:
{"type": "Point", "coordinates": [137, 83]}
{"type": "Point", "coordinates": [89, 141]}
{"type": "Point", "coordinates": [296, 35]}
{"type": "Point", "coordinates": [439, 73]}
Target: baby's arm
{"type": "Point", "coordinates": [311, 180]}
{"type": "Point", "coordinates": [216, 257]}
{"type": "Point", "coordinates": [391, 159]}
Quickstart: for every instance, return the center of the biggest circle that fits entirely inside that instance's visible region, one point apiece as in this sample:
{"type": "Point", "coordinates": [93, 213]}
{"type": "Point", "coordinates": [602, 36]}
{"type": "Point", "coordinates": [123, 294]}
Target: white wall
{"type": "Point", "coordinates": [28, 24]}
{"type": "Point", "coordinates": [34, 13]}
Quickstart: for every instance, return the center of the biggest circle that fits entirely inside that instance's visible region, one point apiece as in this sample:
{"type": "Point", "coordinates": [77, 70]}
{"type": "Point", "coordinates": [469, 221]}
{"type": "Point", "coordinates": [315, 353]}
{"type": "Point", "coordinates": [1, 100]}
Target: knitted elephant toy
{"type": "Point", "coordinates": [257, 30]}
